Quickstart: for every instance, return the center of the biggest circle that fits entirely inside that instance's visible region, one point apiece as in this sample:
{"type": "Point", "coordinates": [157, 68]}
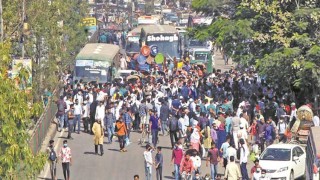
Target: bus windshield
{"type": "Point", "coordinates": [132, 47]}
{"type": "Point", "coordinates": [169, 49]}
{"type": "Point", "coordinates": [201, 56]}
{"type": "Point", "coordinates": [90, 70]}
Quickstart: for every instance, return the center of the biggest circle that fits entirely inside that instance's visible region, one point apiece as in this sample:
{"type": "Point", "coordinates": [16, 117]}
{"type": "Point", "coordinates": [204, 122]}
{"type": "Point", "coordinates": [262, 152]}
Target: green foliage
{"type": "Point", "coordinates": [16, 159]}
{"type": "Point", "coordinates": [280, 37]}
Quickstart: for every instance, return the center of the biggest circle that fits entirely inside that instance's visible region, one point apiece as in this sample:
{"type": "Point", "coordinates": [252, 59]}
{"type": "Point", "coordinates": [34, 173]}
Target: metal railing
{"type": "Point", "coordinates": [40, 129]}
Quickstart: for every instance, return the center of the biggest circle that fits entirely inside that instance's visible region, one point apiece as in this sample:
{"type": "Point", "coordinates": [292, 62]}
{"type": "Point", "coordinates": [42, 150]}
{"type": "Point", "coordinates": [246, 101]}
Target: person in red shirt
{"type": "Point", "coordinates": [254, 168]}
{"type": "Point", "coordinates": [186, 166]}
{"type": "Point", "coordinates": [177, 155]}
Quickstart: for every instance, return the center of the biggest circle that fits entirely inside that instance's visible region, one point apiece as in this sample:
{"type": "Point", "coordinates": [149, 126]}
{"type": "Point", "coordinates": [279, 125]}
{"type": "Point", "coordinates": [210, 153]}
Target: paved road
{"type": "Point", "coordinates": [115, 165]}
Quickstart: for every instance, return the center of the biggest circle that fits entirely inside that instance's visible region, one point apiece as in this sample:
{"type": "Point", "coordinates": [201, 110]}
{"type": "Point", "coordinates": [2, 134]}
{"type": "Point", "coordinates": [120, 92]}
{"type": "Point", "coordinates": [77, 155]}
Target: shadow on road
{"type": "Point", "coordinates": [116, 150]}
{"type": "Point", "coordinates": [92, 153]}
{"type": "Point", "coordinates": [168, 177]}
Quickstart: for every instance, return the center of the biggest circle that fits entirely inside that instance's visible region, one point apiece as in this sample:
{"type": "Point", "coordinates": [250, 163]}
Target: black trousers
{"type": "Point", "coordinates": [66, 170]}
{"type": "Point", "coordinates": [86, 124]}
{"type": "Point", "coordinates": [121, 141]}
{"type": "Point", "coordinates": [96, 148]}
{"type": "Point", "coordinates": [159, 173]}
{"type": "Point", "coordinates": [173, 134]}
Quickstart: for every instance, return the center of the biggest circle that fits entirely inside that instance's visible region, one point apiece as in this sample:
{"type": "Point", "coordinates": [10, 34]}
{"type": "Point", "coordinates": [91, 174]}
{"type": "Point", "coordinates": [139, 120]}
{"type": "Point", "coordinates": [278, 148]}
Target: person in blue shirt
{"type": "Point", "coordinates": [154, 126]}
{"type": "Point", "coordinates": [159, 163]}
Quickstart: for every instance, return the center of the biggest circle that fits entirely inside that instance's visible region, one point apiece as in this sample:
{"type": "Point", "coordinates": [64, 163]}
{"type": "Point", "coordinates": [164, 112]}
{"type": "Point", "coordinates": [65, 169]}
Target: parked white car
{"type": "Point", "coordinates": [283, 161]}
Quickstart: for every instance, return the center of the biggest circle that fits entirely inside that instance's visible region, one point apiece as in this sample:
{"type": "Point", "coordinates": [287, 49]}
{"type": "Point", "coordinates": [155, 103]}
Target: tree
{"type": "Point", "coordinates": [16, 159]}
{"type": "Point", "coordinates": [279, 37]}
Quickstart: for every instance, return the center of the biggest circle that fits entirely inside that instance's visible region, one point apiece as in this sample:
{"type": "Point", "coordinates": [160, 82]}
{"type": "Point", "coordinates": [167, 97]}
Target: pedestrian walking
{"type": "Point", "coordinates": [70, 121]}
{"type": "Point", "coordinates": [213, 158]}
{"type": "Point", "coordinates": [173, 124]}
{"type": "Point", "coordinates": [186, 167]}
{"type": "Point", "coordinates": [244, 153]}
{"type": "Point", "coordinates": [177, 154]}
{"type": "Point", "coordinates": [109, 120]}
{"type": "Point", "coordinates": [66, 159]}
{"type": "Point", "coordinates": [148, 162]}
{"type": "Point", "coordinates": [97, 130]}
{"type": "Point", "coordinates": [154, 126]}
{"type": "Point", "coordinates": [159, 163]}
{"type": "Point", "coordinates": [121, 131]}
{"type": "Point", "coordinates": [52, 160]}
{"type": "Point", "coordinates": [62, 106]}
{"type": "Point", "coordinates": [86, 116]}
{"type": "Point", "coordinates": [223, 150]}
{"type": "Point", "coordinates": [232, 171]}
{"type": "Point", "coordinates": [78, 110]}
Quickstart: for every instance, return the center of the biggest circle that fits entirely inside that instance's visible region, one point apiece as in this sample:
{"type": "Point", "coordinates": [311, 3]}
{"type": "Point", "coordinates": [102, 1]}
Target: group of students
{"type": "Point", "coordinates": [198, 113]}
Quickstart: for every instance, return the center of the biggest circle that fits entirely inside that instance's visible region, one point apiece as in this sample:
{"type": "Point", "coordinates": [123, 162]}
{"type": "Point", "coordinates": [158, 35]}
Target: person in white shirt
{"type": "Point", "coordinates": [148, 162]}
{"type": "Point", "coordinates": [244, 122]}
{"type": "Point", "coordinates": [86, 115]}
{"type": "Point", "coordinates": [123, 63]}
{"type": "Point", "coordinates": [244, 153]}
{"type": "Point", "coordinates": [242, 133]}
{"type": "Point", "coordinates": [100, 112]}
{"type": "Point", "coordinates": [231, 151]}
{"type": "Point", "coordinates": [78, 97]}
{"type": "Point", "coordinates": [316, 120]}
{"type": "Point", "coordinates": [293, 111]}
{"type": "Point", "coordinates": [77, 115]}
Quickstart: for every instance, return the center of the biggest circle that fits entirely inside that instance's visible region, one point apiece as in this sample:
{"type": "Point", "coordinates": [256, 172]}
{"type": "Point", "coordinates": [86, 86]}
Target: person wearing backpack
{"type": "Point", "coordinates": [52, 160]}
{"type": "Point", "coordinates": [173, 124]}
{"type": "Point", "coordinates": [62, 106]}
{"type": "Point", "coordinates": [281, 129]}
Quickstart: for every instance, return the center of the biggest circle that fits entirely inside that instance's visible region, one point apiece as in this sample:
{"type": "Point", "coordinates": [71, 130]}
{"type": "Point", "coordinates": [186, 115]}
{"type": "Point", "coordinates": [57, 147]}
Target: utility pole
{"type": "Point", "coordinates": [1, 23]}
{"type": "Point", "coordinates": [23, 21]}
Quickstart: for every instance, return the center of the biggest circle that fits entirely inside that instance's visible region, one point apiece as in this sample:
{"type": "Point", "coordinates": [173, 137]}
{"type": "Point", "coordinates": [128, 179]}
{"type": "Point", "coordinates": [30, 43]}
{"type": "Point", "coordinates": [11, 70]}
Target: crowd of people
{"type": "Point", "coordinates": [219, 117]}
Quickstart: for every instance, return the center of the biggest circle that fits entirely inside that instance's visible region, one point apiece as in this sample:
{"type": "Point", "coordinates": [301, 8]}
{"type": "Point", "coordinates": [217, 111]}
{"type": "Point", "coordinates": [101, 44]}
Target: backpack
{"type": "Point", "coordinates": [134, 108]}
{"type": "Point", "coordinates": [173, 126]}
{"type": "Point", "coordinates": [61, 106]}
{"type": "Point", "coordinates": [52, 155]}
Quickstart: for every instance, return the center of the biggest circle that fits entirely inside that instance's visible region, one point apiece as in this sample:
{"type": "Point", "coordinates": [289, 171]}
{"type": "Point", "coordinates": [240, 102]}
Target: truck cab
{"type": "Point", "coordinates": [202, 56]}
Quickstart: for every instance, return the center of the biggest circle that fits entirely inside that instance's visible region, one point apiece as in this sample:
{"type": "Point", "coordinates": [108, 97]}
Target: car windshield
{"type": "Point", "coordinates": [276, 154]}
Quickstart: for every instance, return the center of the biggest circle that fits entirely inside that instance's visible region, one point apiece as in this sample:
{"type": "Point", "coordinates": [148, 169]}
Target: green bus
{"type": "Point", "coordinates": [97, 62]}
{"type": "Point", "coordinates": [202, 56]}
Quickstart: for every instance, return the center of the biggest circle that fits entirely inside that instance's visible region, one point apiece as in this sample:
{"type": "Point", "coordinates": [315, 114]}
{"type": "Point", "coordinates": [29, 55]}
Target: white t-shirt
{"type": "Point", "coordinates": [231, 152]}
{"type": "Point", "coordinates": [148, 158]}
{"type": "Point", "coordinates": [316, 121]}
